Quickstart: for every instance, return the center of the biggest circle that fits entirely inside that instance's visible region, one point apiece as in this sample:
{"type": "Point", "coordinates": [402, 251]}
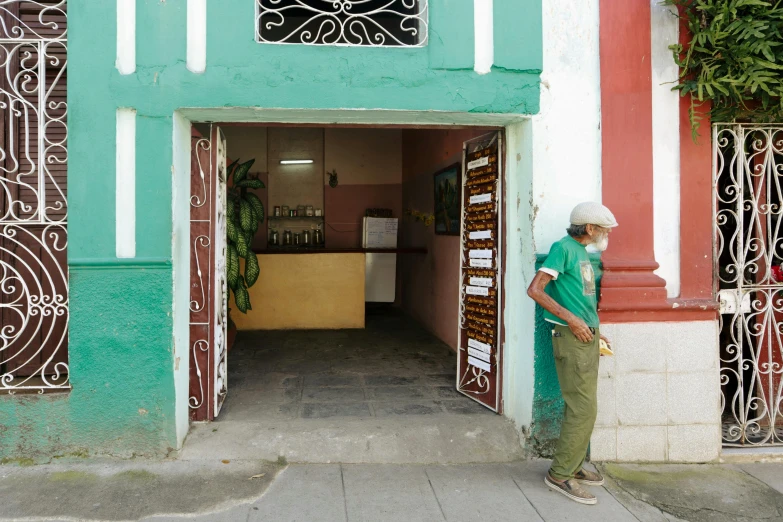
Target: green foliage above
{"type": "Point", "coordinates": [244, 211]}
{"type": "Point", "coordinates": [734, 59]}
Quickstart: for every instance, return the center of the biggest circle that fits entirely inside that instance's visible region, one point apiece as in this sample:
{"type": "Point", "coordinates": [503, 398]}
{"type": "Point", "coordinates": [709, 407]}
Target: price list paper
{"type": "Point", "coordinates": [479, 347]}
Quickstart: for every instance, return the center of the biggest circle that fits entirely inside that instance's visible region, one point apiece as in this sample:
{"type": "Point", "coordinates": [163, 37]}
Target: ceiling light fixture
{"type": "Point", "coordinates": [296, 162]}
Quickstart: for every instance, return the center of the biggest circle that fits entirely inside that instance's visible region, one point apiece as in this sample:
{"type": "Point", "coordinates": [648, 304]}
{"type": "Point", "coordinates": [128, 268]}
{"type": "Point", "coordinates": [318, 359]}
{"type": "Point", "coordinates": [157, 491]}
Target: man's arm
{"type": "Point", "coordinates": [536, 292]}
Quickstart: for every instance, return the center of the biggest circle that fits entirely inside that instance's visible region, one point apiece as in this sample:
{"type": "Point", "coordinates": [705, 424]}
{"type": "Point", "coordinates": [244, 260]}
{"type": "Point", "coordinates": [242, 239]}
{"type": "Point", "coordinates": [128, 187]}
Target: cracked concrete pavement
{"type": "Point", "coordinates": [250, 490]}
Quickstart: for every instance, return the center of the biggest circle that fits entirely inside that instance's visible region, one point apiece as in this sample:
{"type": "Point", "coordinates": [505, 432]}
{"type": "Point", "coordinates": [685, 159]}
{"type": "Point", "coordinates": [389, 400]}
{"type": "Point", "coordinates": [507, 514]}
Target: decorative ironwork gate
{"type": "Point", "coordinates": [748, 209]}
{"type": "Point", "coordinates": [33, 209]}
{"type": "Point", "coordinates": [208, 289]}
{"type": "Point", "coordinates": [479, 353]}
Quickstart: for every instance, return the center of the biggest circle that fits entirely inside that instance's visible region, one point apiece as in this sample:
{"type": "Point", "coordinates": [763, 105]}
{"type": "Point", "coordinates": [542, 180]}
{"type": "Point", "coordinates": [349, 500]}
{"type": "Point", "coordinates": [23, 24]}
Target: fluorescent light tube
{"type": "Point", "coordinates": [296, 162]}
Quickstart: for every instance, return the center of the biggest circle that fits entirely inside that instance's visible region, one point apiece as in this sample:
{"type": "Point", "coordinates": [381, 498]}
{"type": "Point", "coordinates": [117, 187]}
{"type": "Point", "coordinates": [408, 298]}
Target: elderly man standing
{"type": "Point", "coordinates": [565, 289]}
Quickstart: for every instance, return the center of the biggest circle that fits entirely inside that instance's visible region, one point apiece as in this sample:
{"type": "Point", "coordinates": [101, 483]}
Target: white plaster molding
{"type": "Point", "coordinates": [126, 36]}
{"type": "Point", "coordinates": [180, 249]}
{"type": "Point", "coordinates": [125, 191]}
{"type": "Point", "coordinates": [483, 27]}
{"type": "Point", "coordinates": [197, 36]}
{"type": "Point", "coordinates": [666, 146]}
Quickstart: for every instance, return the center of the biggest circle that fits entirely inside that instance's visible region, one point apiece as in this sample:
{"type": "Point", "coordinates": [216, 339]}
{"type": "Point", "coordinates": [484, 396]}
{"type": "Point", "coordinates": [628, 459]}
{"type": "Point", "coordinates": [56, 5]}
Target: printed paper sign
{"type": "Point", "coordinates": [480, 234]}
{"type": "Point", "coordinates": [480, 254]}
{"type": "Point", "coordinates": [478, 354]}
{"type": "Point", "coordinates": [481, 263]}
{"type": "Point", "coordinates": [478, 345]}
{"type": "Point", "coordinates": [480, 198]}
{"type": "Point", "coordinates": [479, 364]}
{"type": "Point", "coordinates": [481, 162]}
{"type": "Point", "coordinates": [481, 281]}
{"type": "Point", "coordinates": [476, 290]}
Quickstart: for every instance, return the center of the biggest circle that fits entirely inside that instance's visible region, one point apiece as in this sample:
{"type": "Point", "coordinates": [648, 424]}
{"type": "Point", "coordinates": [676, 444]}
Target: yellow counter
{"type": "Point", "coordinates": [306, 291]}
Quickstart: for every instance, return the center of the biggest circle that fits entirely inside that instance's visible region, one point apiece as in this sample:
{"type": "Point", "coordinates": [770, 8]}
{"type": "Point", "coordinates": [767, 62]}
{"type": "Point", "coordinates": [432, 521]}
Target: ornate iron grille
{"type": "Point", "coordinates": [748, 181]}
{"type": "Point", "coordinates": [33, 209]}
{"type": "Point", "coordinates": [208, 288]}
{"type": "Point", "coordinates": [373, 23]}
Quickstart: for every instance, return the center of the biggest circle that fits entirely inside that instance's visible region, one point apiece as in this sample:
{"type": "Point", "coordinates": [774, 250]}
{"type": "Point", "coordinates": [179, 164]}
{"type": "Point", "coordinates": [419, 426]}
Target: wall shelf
{"type": "Point", "coordinates": [296, 218]}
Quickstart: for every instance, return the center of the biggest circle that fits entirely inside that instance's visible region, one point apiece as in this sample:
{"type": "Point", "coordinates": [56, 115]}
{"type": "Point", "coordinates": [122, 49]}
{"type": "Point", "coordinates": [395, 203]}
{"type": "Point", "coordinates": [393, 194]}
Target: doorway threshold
{"type": "Point", "coordinates": [454, 439]}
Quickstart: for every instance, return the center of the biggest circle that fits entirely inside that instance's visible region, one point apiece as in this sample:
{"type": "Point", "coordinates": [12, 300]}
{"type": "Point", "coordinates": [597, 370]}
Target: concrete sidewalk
{"type": "Point", "coordinates": [256, 491]}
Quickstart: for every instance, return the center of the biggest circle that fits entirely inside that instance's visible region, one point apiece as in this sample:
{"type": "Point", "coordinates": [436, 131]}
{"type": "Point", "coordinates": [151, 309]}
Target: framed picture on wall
{"type": "Point", "coordinates": [448, 191]}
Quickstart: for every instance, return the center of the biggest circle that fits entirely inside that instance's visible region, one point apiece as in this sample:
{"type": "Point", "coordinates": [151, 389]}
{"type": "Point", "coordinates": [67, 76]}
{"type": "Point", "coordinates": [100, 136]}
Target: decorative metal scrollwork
{"type": "Point", "coordinates": [748, 180]}
{"type": "Point", "coordinates": [373, 23]}
{"type": "Point", "coordinates": [33, 208]}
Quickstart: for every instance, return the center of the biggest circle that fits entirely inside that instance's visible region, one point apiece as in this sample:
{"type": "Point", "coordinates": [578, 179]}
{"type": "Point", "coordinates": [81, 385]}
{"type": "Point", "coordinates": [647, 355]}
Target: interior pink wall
{"type": "Point", "coordinates": [429, 284]}
{"type": "Point", "coordinates": [345, 205]}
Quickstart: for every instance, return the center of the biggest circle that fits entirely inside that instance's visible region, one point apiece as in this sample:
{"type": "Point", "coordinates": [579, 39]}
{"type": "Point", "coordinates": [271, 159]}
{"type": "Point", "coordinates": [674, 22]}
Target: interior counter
{"type": "Point", "coordinates": [309, 290]}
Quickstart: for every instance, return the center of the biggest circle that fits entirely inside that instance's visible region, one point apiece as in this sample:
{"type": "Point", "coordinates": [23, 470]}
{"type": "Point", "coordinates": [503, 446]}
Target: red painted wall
{"type": "Point", "coordinates": [429, 285]}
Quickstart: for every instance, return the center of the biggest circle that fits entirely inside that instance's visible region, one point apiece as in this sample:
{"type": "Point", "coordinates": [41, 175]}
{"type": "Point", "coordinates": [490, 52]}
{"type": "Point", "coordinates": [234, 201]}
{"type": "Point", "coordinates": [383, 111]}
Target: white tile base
{"type": "Point", "coordinates": [666, 403]}
{"type": "Point", "coordinates": [641, 443]}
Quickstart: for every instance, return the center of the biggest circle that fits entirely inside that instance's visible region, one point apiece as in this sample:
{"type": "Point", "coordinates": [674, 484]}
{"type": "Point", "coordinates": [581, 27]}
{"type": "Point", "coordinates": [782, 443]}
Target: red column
{"type": "Point", "coordinates": [629, 287]}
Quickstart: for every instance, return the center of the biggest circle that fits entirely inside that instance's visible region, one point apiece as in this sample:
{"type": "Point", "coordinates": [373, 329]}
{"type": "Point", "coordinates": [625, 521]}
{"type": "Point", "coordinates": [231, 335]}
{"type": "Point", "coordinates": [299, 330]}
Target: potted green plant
{"type": "Point", "coordinates": [244, 213]}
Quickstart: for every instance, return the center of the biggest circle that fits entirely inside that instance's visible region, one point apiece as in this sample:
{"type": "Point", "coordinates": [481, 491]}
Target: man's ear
{"type": "Point", "coordinates": [590, 229]}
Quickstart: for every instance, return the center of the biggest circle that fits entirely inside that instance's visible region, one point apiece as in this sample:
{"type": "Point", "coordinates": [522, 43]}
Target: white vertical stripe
{"type": "Point", "coordinates": [197, 35]}
{"type": "Point", "coordinates": [666, 147]}
{"type": "Point", "coordinates": [126, 36]}
{"type": "Point", "coordinates": [483, 28]}
{"type": "Point", "coordinates": [126, 184]}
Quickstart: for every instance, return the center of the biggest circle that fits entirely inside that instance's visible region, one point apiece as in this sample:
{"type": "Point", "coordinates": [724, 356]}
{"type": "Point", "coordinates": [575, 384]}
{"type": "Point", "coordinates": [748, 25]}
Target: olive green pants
{"type": "Point", "coordinates": [577, 370]}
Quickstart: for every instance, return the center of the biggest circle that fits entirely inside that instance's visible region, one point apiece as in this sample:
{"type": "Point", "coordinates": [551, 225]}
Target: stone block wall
{"type": "Point", "coordinates": [659, 396]}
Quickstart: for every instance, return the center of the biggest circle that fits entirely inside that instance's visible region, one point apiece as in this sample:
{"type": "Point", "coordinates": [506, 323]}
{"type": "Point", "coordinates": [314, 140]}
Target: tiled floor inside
{"type": "Point", "coordinates": [393, 367]}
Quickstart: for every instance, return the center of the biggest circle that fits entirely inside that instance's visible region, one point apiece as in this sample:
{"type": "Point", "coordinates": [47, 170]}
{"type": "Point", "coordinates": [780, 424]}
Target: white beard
{"type": "Point", "coordinates": [602, 243]}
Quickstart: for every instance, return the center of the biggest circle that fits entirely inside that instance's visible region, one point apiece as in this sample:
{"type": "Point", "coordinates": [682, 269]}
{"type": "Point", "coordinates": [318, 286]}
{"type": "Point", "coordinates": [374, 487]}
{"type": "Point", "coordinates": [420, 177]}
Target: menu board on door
{"type": "Point", "coordinates": [479, 365]}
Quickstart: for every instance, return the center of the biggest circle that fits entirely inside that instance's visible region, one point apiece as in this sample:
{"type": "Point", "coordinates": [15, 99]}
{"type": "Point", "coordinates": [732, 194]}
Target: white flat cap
{"type": "Point", "coordinates": [592, 213]}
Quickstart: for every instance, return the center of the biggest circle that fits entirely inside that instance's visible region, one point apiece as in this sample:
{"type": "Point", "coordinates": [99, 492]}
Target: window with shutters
{"type": "Point", "coordinates": [33, 209]}
{"type": "Point", "coordinates": [372, 23]}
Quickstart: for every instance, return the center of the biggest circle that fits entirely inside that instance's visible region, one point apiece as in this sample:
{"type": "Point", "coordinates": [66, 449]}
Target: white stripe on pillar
{"type": "Point", "coordinates": [126, 36]}
{"type": "Point", "coordinates": [666, 147]}
{"type": "Point", "coordinates": [125, 191]}
{"type": "Point", "coordinates": [483, 28]}
{"type": "Point", "coordinates": [197, 36]}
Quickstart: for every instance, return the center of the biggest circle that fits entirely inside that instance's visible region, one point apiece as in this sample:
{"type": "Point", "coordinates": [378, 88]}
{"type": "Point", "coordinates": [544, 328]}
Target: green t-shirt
{"type": "Point", "coordinates": [574, 288]}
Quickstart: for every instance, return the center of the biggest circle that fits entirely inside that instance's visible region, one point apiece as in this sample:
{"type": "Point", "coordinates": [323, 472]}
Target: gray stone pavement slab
{"type": "Point", "coordinates": [377, 493]}
{"type": "Point", "coordinates": [311, 493]}
{"type": "Point", "coordinates": [485, 493]}
{"type": "Point", "coordinates": [211, 491]}
{"type": "Point", "coordinates": [770, 473]}
{"type": "Point", "coordinates": [550, 505]}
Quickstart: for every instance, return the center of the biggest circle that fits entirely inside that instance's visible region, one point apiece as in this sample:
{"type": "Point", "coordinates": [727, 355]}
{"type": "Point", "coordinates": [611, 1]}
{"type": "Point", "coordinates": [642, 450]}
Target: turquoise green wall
{"type": "Point", "coordinates": [121, 400]}
{"type": "Point", "coordinates": [547, 400]}
{"type": "Point", "coordinates": [121, 330]}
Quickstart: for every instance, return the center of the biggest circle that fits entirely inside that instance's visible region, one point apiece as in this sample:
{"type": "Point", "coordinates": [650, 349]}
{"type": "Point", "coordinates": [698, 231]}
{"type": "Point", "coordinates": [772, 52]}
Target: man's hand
{"type": "Point", "coordinates": [605, 340]}
{"type": "Point", "coordinates": [580, 330]}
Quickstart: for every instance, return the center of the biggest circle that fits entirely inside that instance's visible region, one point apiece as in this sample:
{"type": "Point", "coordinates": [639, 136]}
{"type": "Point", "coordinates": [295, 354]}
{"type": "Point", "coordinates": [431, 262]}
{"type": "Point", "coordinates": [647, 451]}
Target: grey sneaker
{"type": "Point", "coordinates": [571, 489]}
{"type": "Point", "coordinates": [589, 478]}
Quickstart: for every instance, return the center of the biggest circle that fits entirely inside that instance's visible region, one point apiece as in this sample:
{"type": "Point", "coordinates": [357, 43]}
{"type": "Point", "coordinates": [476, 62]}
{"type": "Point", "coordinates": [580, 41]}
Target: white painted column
{"type": "Point", "coordinates": [197, 36]}
{"type": "Point", "coordinates": [483, 28]}
{"type": "Point", "coordinates": [666, 147]}
{"type": "Point", "coordinates": [126, 36]}
{"type": "Point", "coordinates": [125, 190]}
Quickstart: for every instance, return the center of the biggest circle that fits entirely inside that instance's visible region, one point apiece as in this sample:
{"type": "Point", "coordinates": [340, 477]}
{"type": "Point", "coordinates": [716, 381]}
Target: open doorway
{"type": "Point", "coordinates": [349, 335]}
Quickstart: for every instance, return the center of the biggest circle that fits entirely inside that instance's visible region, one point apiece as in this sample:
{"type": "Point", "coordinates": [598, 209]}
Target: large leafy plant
{"type": "Point", "coordinates": [734, 59]}
{"type": "Point", "coordinates": [244, 212]}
